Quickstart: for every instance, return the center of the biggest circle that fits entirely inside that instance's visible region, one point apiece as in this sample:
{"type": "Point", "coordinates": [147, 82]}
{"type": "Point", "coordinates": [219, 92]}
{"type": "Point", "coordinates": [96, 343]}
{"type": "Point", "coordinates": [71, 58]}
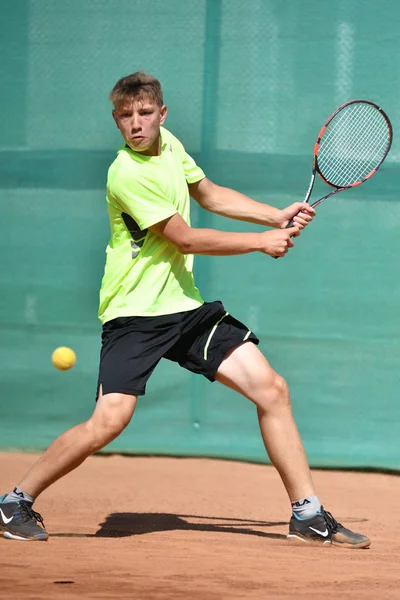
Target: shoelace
{"type": "Point", "coordinates": [27, 513]}
{"type": "Point", "coordinates": [331, 522]}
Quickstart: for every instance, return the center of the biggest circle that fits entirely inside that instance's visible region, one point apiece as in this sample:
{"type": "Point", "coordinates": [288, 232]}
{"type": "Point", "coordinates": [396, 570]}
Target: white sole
{"type": "Point", "coordinates": [13, 536]}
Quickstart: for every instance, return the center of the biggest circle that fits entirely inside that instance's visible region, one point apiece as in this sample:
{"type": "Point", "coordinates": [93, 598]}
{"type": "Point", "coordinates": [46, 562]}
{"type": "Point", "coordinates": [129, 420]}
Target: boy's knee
{"type": "Point", "coordinates": [274, 394]}
{"type": "Point", "coordinates": [112, 415]}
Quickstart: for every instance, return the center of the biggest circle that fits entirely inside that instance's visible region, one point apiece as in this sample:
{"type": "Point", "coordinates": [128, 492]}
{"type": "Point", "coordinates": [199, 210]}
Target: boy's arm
{"type": "Point", "coordinates": [234, 205]}
{"type": "Point", "coordinates": [190, 240]}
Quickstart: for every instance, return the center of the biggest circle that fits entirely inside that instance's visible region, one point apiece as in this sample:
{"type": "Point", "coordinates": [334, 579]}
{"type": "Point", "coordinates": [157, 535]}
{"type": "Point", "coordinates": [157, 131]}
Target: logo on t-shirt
{"type": "Point", "coordinates": [138, 235]}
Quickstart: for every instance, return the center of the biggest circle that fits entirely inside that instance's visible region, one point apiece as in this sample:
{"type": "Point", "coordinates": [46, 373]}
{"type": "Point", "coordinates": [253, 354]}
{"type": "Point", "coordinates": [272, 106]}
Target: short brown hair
{"type": "Point", "coordinates": [137, 85]}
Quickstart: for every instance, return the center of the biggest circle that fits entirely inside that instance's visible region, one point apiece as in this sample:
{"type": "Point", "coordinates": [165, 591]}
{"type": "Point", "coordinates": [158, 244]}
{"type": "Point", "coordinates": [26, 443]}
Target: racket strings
{"type": "Point", "coordinates": [354, 144]}
{"type": "Point", "coordinates": [349, 153]}
{"type": "Point", "coordinates": [357, 137]}
{"type": "Point", "coordinates": [347, 172]}
{"type": "Point", "coordinates": [353, 147]}
{"type": "Point", "coordinates": [357, 128]}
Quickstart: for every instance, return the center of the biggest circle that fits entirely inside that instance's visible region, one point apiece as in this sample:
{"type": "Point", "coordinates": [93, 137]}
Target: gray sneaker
{"type": "Point", "coordinates": [18, 521]}
{"type": "Point", "coordinates": [324, 529]}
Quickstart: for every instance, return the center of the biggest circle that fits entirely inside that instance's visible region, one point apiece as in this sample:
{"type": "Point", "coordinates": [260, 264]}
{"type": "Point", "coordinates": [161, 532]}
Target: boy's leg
{"type": "Point", "coordinates": [112, 414]}
{"type": "Point", "coordinates": [245, 370]}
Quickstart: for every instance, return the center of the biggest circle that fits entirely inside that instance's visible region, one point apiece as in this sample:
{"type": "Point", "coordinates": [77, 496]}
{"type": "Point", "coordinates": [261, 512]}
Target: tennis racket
{"type": "Point", "coordinates": [350, 148]}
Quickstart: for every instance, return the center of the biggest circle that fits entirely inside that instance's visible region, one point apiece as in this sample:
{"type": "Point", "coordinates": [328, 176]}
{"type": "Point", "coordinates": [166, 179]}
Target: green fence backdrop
{"type": "Point", "coordinates": [248, 84]}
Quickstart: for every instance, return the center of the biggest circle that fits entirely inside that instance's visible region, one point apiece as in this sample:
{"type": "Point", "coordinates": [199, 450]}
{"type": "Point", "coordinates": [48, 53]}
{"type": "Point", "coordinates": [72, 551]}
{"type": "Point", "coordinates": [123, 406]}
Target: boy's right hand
{"type": "Point", "coordinates": [277, 242]}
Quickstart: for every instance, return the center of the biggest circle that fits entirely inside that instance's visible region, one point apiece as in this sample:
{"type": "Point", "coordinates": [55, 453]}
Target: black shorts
{"type": "Point", "coordinates": [197, 339]}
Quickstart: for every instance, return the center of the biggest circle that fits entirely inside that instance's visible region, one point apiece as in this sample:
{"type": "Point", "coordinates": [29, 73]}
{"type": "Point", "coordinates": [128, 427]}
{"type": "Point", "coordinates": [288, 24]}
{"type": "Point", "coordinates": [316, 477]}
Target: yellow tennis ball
{"type": "Point", "coordinates": [63, 358]}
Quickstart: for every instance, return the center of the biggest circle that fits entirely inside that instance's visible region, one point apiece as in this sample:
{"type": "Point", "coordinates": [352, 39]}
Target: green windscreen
{"type": "Point", "coordinates": [248, 86]}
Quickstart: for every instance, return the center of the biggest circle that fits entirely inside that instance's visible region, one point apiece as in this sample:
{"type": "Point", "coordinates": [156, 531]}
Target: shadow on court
{"type": "Point", "coordinates": [118, 525]}
{"type": "Point", "coordinates": [126, 524]}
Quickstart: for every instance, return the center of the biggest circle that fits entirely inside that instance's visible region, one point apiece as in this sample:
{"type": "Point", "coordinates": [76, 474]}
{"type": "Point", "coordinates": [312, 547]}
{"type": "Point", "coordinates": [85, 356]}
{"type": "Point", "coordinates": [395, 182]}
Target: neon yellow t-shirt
{"type": "Point", "coordinates": [144, 274]}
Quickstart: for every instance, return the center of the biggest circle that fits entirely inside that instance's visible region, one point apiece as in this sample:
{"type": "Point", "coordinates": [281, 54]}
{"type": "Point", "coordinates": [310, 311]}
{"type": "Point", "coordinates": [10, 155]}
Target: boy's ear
{"type": "Point", "coordinates": [115, 117]}
{"type": "Point", "coordinates": [163, 113]}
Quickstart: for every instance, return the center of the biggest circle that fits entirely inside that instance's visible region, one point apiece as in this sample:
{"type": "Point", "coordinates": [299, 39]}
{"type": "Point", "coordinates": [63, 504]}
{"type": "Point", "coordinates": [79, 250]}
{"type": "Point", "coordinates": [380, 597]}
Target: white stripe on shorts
{"type": "Point", "coordinates": [212, 333]}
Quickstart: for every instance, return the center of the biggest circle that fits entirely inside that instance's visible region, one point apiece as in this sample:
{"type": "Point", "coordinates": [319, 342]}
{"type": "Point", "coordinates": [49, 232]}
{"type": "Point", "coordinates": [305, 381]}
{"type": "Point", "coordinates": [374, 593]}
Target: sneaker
{"type": "Point", "coordinates": [19, 522]}
{"type": "Point", "coordinates": [324, 529]}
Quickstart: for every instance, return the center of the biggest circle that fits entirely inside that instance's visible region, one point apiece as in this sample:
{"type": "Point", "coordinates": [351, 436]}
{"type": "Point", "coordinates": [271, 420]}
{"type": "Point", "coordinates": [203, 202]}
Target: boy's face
{"type": "Point", "coordinates": [139, 121]}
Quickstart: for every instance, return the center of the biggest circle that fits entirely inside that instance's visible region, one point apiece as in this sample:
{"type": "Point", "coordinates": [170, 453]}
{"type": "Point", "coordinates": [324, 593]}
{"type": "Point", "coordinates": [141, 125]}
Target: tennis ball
{"type": "Point", "coordinates": [63, 358]}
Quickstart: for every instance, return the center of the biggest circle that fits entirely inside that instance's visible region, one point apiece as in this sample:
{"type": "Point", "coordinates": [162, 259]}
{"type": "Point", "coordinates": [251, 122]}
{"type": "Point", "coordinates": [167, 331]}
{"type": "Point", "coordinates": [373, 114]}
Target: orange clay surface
{"type": "Point", "coordinates": [198, 529]}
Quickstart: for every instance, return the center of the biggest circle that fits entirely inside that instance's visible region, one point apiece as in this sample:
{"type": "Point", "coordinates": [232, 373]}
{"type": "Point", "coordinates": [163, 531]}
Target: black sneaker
{"type": "Point", "coordinates": [324, 529]}
{"type": "Point", "coordinates": [19, 522]}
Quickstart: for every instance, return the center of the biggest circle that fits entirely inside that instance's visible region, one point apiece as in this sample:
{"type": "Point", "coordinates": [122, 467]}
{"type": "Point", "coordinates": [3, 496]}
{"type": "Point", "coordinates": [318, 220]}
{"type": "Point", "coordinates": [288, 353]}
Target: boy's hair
{"type": "Point", "coordinates": [138, 85]}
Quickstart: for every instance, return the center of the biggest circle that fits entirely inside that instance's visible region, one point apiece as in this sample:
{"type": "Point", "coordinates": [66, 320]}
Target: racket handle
{"type": "Point", "coordinates": [288, 226]}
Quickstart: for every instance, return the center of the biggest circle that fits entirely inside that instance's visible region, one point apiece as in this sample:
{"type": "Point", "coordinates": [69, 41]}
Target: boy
{"type": "Point", "coordinates": [150, 309]}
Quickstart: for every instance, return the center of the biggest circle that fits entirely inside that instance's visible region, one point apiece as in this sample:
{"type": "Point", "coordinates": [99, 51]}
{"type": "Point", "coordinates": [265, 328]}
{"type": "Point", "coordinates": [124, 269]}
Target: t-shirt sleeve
{"type": "Point", "coordinates": [142, 199]}
{"type": "Point", "coordinates": [193, 173]}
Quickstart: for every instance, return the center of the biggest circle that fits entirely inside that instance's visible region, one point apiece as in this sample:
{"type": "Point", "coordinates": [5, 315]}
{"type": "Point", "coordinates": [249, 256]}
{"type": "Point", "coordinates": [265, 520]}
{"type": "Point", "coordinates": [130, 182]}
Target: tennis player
{"type": "Point", "coordinates": [151, 309]}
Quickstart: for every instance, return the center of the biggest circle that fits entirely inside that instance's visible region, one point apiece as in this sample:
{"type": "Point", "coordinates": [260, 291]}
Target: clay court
{"type": "Point", "coordinates": [171, 528]}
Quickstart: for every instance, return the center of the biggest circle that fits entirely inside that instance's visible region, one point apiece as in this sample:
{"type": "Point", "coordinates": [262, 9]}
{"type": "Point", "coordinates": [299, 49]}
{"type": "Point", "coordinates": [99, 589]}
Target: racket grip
{"type": "Point", "coordinates": [290, 224]}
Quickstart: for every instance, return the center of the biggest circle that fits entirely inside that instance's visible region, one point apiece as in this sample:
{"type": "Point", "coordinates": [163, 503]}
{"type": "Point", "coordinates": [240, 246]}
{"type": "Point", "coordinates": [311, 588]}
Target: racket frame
{"type": "Point", "coordinates": [315, 168]}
